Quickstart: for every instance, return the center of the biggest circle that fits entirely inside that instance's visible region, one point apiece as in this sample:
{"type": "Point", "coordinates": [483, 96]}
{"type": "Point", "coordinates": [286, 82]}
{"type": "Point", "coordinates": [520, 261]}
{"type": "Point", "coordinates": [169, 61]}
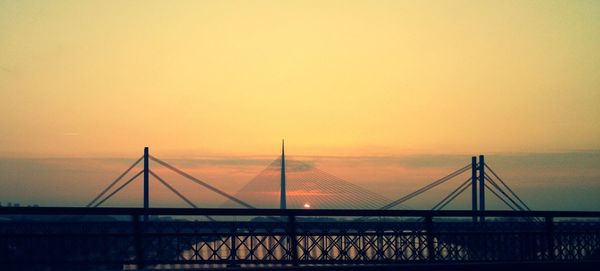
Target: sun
{"type": "Point", "coordinates": [306, 205]}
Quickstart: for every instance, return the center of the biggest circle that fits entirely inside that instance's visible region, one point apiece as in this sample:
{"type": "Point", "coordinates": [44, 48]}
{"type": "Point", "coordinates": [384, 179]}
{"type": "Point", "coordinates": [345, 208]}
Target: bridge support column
{"type": "Point", "coordinates": [429, 238]}
{"type": "Point", "coordinates": [138, 243]}
{"type": "Point", "coordinates": [146, 177]}
{"type": "Point", "coordinates": [233, 250]}
{"type": "Point", "coordinates": [549, 227]}
{"type": "Point", "coordinates": [482, 186]}
{"type": "Point", "coordinates": [293, 243]}
{"type": "Point", "coordinates": [474, 187]}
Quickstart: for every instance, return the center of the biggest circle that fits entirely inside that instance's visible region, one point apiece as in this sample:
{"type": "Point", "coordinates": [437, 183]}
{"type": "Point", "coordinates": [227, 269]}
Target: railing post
{"type": "Point", "coordinates": [233, 252]}
{"type": "Point", "coordinates": [137, 238]}
{"type": "Point", "coordinates": [293, 240]}
{"type": "Point", "coordinates": [549, 221]}
{"type": "Point", "coordinates": [380, 254]}
{"type": "Point", "coordinates": [429, 237]}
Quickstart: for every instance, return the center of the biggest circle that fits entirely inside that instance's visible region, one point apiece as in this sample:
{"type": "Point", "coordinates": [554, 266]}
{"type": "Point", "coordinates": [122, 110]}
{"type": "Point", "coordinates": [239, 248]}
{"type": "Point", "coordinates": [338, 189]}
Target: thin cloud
{"type": "Point", "coordinates": [6, 69]}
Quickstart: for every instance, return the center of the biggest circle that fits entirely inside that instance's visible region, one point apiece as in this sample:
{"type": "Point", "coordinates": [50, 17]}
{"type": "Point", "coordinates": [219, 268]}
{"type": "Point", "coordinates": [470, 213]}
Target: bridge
{"type": "Point", "coordinates": [246, 237]}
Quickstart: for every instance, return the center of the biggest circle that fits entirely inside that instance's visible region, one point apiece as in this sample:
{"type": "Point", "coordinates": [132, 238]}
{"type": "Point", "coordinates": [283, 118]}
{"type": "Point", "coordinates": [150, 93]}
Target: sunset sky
{"type": "Point", "coordinates": [196, 79]}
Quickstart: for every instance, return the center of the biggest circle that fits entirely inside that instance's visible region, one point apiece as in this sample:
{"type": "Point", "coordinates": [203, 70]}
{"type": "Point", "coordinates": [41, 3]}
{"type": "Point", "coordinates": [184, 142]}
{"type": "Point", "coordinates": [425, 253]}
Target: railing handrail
{"type": "Point", "coordinates": [286, 212]}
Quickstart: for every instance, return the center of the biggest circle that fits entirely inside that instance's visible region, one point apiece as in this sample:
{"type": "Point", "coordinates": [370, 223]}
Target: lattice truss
{"type": "Point", "coordinates": [272, 241]}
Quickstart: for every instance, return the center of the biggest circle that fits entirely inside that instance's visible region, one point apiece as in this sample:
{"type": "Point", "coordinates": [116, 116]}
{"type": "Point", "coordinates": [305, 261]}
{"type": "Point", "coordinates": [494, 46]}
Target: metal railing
{"type": "Point", "coordinates": [117, 238]}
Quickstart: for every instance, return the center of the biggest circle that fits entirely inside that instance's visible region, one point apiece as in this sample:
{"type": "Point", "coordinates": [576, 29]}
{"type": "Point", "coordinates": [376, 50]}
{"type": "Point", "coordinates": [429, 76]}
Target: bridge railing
{"type": "Point", "coordinates": [89, 238]}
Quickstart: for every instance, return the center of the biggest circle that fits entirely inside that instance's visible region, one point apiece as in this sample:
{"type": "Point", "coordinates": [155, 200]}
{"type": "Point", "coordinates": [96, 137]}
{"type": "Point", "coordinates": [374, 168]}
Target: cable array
{"type": "Point", "coordinates": [202, 183]}
{"type": "Point", "coordinates": [515, 204]}
{"type": "Point", "coordinates": [507, 187]}
{"type": "Point", "coordinates": [426, 188]}
{"type": "Point", "coordinates": [95, 203]}
{"type": "Point", "coordinates": [114, 182]}
{"type": "Point", "coordinates": [306, 187]}
{"type": "Point", "coordinates": [119, 189]}
{"type": "Point", "coordinates": [454, 194]}
{"type": "Point", "coordinates": [310, 187]}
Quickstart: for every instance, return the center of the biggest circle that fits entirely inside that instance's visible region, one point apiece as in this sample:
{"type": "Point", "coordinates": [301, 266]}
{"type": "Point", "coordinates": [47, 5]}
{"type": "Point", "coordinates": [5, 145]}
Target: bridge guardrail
{"type": "Point", "coordinates": [289, 237]}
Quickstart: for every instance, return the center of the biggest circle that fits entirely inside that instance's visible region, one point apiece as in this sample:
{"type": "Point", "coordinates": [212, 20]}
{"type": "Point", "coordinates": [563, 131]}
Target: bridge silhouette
{"type": "Point", "coordinates": [309, 184]}
{"type": "Point", "coordinates": [348, 227]}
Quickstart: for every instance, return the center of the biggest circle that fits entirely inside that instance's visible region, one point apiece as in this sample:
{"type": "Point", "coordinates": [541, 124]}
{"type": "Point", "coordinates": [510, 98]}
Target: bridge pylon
{"type": "Point", "coordinates": [474, 171]}
{"type": "Point", "coordinates": [146, 180]}
{"type": "Point", "coordinates": [478, 183]}
{"type": "Point", "coordinates": [481, 186]}
{"type": "Point", "coordinates": [282, 200]}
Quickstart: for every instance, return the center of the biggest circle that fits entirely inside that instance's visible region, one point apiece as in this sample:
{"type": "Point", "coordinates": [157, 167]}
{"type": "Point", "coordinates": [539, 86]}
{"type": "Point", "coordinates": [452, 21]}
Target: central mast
{"type": "Point", "coordinates": [282, 203]}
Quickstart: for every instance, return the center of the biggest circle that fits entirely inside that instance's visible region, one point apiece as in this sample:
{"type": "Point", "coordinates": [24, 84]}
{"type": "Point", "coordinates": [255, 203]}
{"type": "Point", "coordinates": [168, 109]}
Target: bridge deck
{"type": "Point", "coordinates": [249, 238]}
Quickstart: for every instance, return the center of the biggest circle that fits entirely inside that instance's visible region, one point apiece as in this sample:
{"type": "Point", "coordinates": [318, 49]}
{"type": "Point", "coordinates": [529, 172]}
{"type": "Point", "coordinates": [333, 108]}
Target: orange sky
{"type": "Point", "coordinates": [194, 78]}
{"type": "Point", "coordinates": [386, 94]}
{"type": "Point", "coordinates": [561, 181]}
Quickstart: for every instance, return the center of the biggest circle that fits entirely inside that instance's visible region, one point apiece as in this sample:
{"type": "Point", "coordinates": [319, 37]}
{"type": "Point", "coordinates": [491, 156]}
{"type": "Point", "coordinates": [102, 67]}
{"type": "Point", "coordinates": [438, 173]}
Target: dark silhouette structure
{"type": "Point", "coordinates": [247, 237]}
{"type": "Point", "coordinates": [88, 238]}
{"type": "Point", "coordinates": [282, 200]}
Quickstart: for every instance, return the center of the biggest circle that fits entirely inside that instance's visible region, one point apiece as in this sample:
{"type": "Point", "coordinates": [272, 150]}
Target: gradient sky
{"type": "Point", "coordinates": [103, 79]}
{"type": "Point", "coordinates": [354, 77]}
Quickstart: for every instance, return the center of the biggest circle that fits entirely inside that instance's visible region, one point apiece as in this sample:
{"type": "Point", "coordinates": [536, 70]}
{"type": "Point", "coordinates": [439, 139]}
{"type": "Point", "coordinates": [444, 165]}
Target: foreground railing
{"type": "Point", "coordinates": [129, 238]}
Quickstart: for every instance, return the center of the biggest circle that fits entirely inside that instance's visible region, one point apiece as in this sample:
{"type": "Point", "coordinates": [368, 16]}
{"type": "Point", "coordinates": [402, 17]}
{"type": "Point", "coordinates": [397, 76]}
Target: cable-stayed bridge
{"type": "Point", "coordinates": [290, 186]}
{"type": "Point", "coordinates": [266, 224]}
{"type": "Point", "coordinates": [296, 184]}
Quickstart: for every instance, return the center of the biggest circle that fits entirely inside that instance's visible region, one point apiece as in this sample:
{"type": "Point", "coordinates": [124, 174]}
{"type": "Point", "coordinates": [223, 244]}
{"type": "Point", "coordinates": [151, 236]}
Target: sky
{"type": "Point", "coordinates": [85, 81]}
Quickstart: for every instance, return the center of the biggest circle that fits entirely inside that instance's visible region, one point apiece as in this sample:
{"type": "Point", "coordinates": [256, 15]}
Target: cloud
{"type": "Point", "coordinates": [298, 166]}
{"type": "Point", "coordinates": [6, 69]}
